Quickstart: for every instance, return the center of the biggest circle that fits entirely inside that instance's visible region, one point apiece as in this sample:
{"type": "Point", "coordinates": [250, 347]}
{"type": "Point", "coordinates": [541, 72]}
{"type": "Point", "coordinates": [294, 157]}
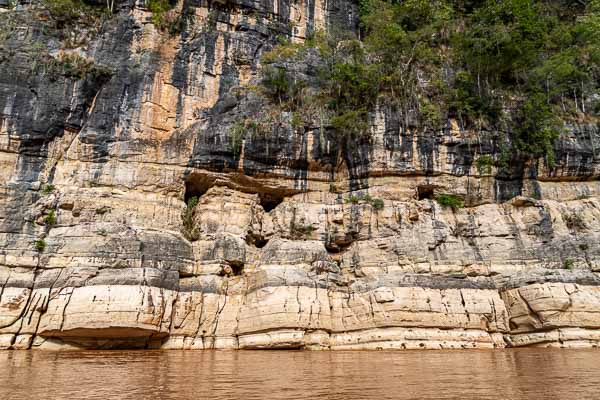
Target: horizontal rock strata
{"type": "Point", "coordinates": [99, 248]}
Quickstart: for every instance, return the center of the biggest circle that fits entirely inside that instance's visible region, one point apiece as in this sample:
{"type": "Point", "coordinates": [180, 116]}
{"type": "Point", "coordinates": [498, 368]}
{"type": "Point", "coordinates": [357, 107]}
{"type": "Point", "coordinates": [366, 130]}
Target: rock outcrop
{"type": "Point", "coordinates": [286, 247]}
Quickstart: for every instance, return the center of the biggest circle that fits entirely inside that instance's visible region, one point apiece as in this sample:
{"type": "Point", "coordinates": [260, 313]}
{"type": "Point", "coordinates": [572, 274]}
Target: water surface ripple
{"type": "Point", "coordinates": [377, 375]}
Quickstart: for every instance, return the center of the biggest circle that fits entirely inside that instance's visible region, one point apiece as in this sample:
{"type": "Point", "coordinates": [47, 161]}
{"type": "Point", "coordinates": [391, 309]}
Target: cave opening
{"type": "Point", "coordinates": [257, 241]}
{"type": "Point", "coordinates": [425, 192]}
{"type": "Point", "coordinates": [196, 186]}
{"type": "Point", "coordinates": [233, 268]}
{"type": "Point", "coordinates": [260, 243]}
{"type": "Point", "coordinates": [269, 201]}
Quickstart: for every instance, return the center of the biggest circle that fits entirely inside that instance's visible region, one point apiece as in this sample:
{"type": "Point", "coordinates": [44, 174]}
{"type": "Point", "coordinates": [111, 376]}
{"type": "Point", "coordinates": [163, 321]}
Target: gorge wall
{"type": "Point", "coordinates": [286, 247]}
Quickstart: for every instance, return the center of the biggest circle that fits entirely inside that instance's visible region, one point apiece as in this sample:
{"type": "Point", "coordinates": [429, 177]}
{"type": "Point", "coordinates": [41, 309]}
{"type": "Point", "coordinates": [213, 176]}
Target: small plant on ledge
{"type": "Point", "coordinates": [47, 189]}
{"type": "Point", "coordinates": [568, 264]}
{"type": "Point", "coordinates": [450, 200]}
{"type": "Point", "coordinates": [376, 203]}
{"type": "Point", "coordinates": [40, 245]}
{"type": "Point", "coordinates": [50, 218]}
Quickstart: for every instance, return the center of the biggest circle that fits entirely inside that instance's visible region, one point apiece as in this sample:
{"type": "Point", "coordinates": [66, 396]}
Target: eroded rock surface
{"type": "Point", "coordinates": [276, 254]}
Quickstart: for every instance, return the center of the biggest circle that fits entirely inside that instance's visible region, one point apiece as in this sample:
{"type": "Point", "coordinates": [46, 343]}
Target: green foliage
{"type": "Point", "coordinates": [484, 164]}
{"type": "Point", "coordinates": [236, 137]}
{"type": "Point", "coordinates": [50, 218]}
{"type": "Point", "coordinates": [40, 245]}
{"type": "Point", "coordinates": [537, 128]}
{"type": "Point", "coordinates": [69, 12]}
{"type": "Point", "coordinates": [67, 65]}
{"type": "Point", "coordinates": [190, 231]}
{"type": "Point", "coordinates": [505, 39]}
{"type": "Point", "coordinates": [285, 51]}
{"type": "Point", "coordinates": [47, 189]}
{"type": "Point", "coordinates": [350, 124]}
{"type": "Point", "coordinates": [353, 199]}
{"type": "Point", "coordinates": [503, 157]}
{"type": "Point", "coordinates": [163, 16]}
{"type": "Point", "coordinates": [568, 263]}
{"type": "Point", "coordinates": [376, 203]}
{"type": "Point", "coordinates": [450, 200]}
{"type": "Point", "coordinates": [276, 83]}
{"type": "Point", "coordinates": [469, 104]}
{"type": "Point", "coordinates": [520, 67]}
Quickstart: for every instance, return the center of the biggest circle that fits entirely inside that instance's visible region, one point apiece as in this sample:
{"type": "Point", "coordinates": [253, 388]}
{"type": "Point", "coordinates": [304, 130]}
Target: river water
{"type": "Point", "coordinates": [470, 374]}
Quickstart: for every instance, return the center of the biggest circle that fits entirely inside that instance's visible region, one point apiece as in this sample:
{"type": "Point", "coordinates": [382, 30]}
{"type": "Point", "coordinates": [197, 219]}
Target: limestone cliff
{"type": "Point", "coordinates": [108, 127]}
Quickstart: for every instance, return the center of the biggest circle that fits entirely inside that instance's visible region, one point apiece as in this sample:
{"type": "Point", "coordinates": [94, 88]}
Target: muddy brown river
{"type": "Point", "coordinates": [499, 374]}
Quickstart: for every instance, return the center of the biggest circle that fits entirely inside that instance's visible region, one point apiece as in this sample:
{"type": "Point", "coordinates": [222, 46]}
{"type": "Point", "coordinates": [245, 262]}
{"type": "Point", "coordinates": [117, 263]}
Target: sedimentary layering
{"type": "Point", "coordinates": [99, 250]}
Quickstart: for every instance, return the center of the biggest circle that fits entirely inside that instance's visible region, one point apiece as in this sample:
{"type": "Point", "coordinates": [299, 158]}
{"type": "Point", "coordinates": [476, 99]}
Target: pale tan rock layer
{"type": "Point", "coordinates": [285, 317]}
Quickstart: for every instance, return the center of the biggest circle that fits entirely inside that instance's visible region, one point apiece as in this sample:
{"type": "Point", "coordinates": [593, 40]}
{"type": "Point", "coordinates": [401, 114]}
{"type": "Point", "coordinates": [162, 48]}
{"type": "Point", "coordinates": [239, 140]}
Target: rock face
{"type": "Point", "coordinates": [284, 249]}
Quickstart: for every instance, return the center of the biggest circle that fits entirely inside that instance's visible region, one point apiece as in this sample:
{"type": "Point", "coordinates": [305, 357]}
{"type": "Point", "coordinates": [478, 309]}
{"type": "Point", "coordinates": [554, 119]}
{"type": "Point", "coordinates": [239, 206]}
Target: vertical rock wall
{"type": "Point", "coordinates": [97, 251]}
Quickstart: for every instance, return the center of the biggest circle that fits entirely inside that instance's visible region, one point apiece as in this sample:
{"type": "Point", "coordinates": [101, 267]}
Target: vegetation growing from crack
{"type": "Point", "coordinates": [67, 12]}
{"type": "Point", "coordinates": [568, 263]}
{"type": "Point", "coordinates": [47, 189]}
{"type": "Point", "coordinates": [376, 203]}
{"type": "Point", "coordinates": [450, 200]}
{"type": "Point", "coordinates": [50, 218]}
{"type": "Point", "coordinates": [68, 65]}
{"type": "Point", "coordinates": [74, 22]}
{"type": "Point", "coordinates": [484, 164]}
{"type": "Point", "coordinates": [40, 245]}
{"type": "Point", "coordinates": [190, 231]}
{"type": "Point", "coordinates": [164, 17]}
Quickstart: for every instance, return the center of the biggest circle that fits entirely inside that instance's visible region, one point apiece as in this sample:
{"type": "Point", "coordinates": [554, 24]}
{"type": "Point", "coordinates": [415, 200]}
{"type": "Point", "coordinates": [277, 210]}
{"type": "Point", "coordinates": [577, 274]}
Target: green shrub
{"type": "Point", "coordinates": [367, 198]}
{"type": "Point", "coordinates": [47, 189]}
{"type": "Point", "coordinates": [450, 200]}
{"type": "Point", "coordinates": [568, 263]}
{"type": "Point", "coordinates": [276, 83]}
{"type": "Point", "coordinates": [484, 164]}
{"type": "Point", "coordinates": [237, 133]}
{"type": "Point", "coordinates": [377, 204]}
{"type": "Point", "coordinates": [68, 12]}
{"type": "Point", "coordinates": [350, 124]}
{"type": "Point", "coordinates": [537, 128]}
{"type": "Point", "coordinates": [503, 158]}
{"type": "Point", "coordinates": [190, 232]}
{"type": "Point", "coordinates": [163, 17]}
{"type": "Point", "coordinates": [69, 65]}
{"type": "Point", "coordinates": [40, 245]}
{"type": "Point", "coordinates": [353, 199]}
{"type": "Point", "coordinates": [50, 218]}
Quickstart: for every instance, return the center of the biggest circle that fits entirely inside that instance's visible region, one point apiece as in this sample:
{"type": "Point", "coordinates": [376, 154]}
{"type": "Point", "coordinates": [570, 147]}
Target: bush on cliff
{"type": "Point", "coordinates": [450, 200]}
{"type": "Point", "coordinates": [50, 218]}
{"type": "Point", "coordinates": [40, 245]}
{"type": "Point", "coordinates": [190, 231]}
